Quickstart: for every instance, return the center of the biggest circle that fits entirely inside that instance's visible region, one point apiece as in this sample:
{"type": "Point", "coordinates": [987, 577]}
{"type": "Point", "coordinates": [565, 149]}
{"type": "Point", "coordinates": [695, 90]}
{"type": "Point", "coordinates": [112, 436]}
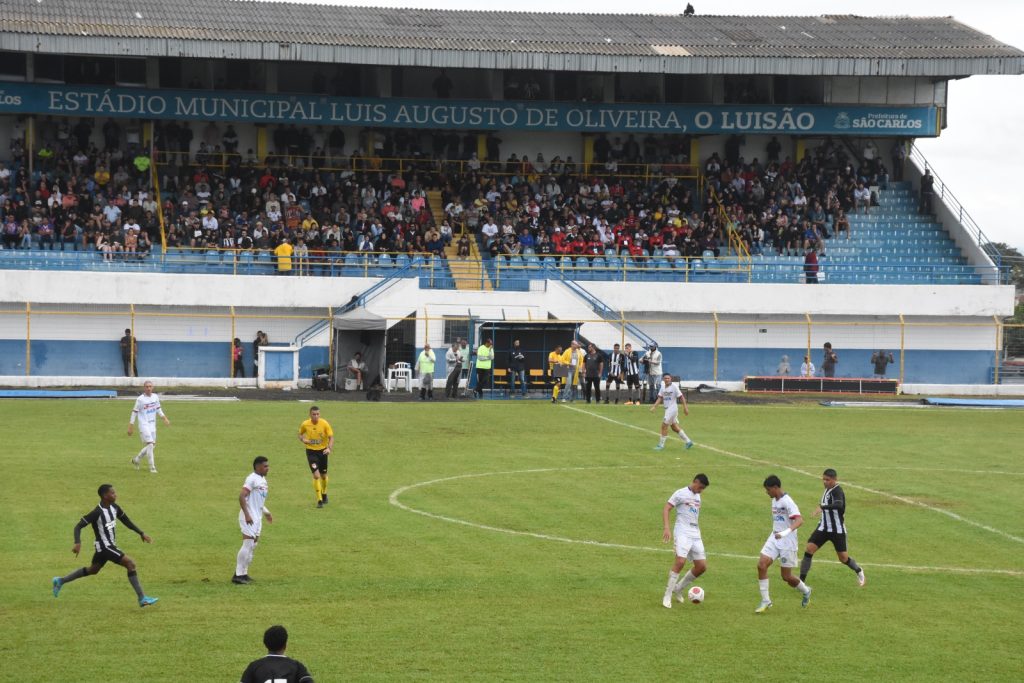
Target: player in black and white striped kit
{"type": "Point", "coordinates": [616, 373]}
{"type": "Point", "coordinates": [832, 527]}
{"type": "Point", "coordinates": [103, 519]}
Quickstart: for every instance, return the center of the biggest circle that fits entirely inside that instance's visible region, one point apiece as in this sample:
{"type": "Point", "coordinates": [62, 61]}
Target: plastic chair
{"type": "Point", "coordinates": [399, 371]}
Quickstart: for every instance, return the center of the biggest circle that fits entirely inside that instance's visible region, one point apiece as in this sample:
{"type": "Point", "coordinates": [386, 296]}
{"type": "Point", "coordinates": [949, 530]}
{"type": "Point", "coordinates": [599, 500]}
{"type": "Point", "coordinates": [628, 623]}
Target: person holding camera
{"type": "Point", "coordinates": [881, 359]}
{"type": "Point", "coordinates": [829, 360]}
{"type": "Point", "coordinates": [453, 359]}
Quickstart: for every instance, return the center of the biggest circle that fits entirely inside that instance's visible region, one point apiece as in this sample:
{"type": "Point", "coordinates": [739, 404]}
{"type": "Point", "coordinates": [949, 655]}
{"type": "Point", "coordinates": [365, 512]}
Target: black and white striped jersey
{"type": "Point", "coordinates": [616, 366]}
{"type": "Point", "coordinates": [632, 363]}
{"type": "Point", "coordinates": [103, 521]}
{"type": "Point", "coordinates": [833, 510]}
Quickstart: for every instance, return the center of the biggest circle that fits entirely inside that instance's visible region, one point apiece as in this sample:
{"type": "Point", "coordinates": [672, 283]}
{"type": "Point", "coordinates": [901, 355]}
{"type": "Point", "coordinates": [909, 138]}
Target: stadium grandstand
{"type": "Point", "coordinates": [365, 179]}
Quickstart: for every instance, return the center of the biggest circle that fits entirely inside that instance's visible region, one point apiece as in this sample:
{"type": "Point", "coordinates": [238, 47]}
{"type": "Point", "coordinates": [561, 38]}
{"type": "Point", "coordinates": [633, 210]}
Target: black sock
{"type": "Point", "coordinates": [133, 579]}
{"type": "Point", "coordinates": [805, 566]}
{"type": "Point", "coordinates": [852, 564]}
{"type": "Point", "coordinates": [77, 574]}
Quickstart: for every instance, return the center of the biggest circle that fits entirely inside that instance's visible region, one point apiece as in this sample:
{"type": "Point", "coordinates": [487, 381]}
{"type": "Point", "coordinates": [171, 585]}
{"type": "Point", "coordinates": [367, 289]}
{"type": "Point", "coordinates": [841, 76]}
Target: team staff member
{"type": "Point", "coordinates": [484, 363]}
{"type": "Point", "coordinates": [573, 357]}
{"type": "Point", "coordinates": [319, 439]}
{"type": "Point", "coordinates": [831, 528]}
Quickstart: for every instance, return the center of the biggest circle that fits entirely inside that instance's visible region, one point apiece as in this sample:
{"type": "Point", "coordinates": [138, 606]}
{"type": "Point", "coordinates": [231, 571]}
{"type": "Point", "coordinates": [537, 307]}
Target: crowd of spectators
{"type": "Point", "coordinates": [778, 206]}
{"type": "Point", "coordinates": [788, 208]}
{"type": "Point", "coordinates": [80, 195]}
{"type": "Point", "coordinates": [636, 199]}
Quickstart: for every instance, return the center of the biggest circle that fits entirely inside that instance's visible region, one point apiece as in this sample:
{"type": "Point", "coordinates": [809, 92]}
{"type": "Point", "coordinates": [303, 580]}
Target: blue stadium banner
{"type": "Point", "coordinates": [63, 100]}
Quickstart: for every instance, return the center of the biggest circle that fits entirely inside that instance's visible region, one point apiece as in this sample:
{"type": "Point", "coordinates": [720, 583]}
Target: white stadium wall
{"type": "Point", "coordinates": [949, 336]}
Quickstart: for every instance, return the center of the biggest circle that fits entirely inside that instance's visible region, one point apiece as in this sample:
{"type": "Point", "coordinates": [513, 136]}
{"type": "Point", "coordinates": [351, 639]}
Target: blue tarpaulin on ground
{"type": "Point", "coordinates": [977, 402]}
{"type": "Point", "coordinates": [58, 393]}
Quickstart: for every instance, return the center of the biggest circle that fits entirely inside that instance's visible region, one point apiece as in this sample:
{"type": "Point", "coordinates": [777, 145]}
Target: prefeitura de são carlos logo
{"type": "Point", "coordinates": [842, 121]}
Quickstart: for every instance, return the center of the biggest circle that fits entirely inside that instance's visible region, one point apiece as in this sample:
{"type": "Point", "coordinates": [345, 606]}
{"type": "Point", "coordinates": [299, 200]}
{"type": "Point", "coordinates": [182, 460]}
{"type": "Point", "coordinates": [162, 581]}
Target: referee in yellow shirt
{"type": "Point", "coordinates": [319, 439]}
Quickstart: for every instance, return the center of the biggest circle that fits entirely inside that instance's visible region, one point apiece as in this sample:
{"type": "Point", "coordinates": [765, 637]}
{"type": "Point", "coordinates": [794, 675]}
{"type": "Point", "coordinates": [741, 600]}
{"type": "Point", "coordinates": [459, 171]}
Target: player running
{"type": "Point", "coordinates": [781, 544]}
{"type": "Point", "coordinates": [146, 409]}
{"type": "Point", "coordinates": [103, 519]}
{"type": "Point", "coordinates": [831, 528]}
{"type": "Point", "coordinates": [688, 544]}
{"type": "Point", "coordinates": [319, 439]}
{"type": "Point", "coordinates": [252, 500]}
{"type": "Point", "coordinates": [671, 395]}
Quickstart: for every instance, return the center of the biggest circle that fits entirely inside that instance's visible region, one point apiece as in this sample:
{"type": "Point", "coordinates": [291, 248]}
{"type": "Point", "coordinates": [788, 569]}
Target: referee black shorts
{"type": "Point", "coordinates": [820, 537]}
{"type": "Point", "coordinates": [317, 461]}
{"type": "Point", "coordinates": [110, 553]}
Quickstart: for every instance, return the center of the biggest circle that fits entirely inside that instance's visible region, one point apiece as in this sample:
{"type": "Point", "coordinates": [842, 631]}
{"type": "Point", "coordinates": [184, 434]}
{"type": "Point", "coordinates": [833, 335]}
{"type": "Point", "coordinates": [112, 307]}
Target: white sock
{"type": "Point", "coordinates": [762, 584]}
{"type": "Point", "coordinates": [145, 449]}
{"type": "Point", "coordinates": [803, 588]}
{"type": "Point", "coordinates": [682, 435]}
{"type": "Point", "coordinates": [151, 456]}
{"type": "Point", "coordinates": [672, 578]}
{"type": "Point", "coordinates": [685, 581]}
{"type": "Point", "coordinates": [244, 558]}
{"type": "Point", "coordinates": [661, 441]}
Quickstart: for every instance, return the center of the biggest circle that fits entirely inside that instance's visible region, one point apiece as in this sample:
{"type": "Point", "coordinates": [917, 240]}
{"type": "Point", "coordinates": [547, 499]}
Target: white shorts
{"type": "Point", "coordinates": [671, 416]}
{"type": "Point", "coordinates": [781, 549]}
{"type": "Point", "coordinates": [690, 547]}
{"type": "Point", "coordinates": [147, 433]}
{"type": "Point", "coordinates": [250, 530]}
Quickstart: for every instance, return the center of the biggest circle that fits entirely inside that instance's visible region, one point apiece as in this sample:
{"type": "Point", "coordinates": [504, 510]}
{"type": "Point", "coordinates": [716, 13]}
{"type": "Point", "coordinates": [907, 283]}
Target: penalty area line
{"type": "Point", "coordinates": [759, 461]}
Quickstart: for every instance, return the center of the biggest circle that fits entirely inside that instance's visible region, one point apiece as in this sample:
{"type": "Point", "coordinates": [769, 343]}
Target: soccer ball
{"type": "Point", "coordinates": [696, 594]}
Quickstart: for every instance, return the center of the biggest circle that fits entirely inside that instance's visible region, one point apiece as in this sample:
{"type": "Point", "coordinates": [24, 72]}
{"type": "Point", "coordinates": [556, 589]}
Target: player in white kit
{"type": "Point", "coordinates": [146, 410]}
{"type": "Point", "coordinates": [252, 501]}
{"type": "Point", "coordinates": [781, 544]}
{"type": "Point", "coordinates": [688, 543]}
{"type": "Point", "coordinates": [671, 395]}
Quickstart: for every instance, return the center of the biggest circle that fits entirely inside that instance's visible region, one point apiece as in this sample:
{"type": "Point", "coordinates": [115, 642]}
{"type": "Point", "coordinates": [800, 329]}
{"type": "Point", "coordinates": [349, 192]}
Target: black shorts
{"type": "Point", "coordinates": [820, 537]}
{"type": "Point", "coordinates": [317, 461]}
{"type": "Point", "coordinates": [111, 553]}
{"type": "Point", "coordinates": [632, 381]}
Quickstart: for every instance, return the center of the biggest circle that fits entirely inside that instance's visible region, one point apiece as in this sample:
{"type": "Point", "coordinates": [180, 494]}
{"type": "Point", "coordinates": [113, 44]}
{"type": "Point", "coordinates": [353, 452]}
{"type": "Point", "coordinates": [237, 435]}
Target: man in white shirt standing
{"type": "Point", "coordinates": [146, 409]}
{"type": "Point", "coordinates": [688, 544]}
{"type": "Point", "coordinates": [252, 500]}
{"type": "Point", "coordinates": [671, 395]}
{"type": "Point", "coordinates": [654, 370]}
{"type": "Point", "coordinates": [781, 544]}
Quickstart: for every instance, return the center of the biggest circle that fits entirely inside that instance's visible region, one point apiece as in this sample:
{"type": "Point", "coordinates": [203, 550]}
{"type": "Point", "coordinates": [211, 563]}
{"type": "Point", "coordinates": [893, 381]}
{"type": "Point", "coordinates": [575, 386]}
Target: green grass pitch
{"type": "Point", "coordinates": [514, 541]}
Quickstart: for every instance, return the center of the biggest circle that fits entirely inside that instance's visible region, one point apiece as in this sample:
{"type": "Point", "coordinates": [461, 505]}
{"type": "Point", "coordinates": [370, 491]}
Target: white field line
{"type": "Point", "coordinates": [883, 494]}
{"type": "Point", "coordinates": [393, 499]}
{"type": "Point", "coordinates": [887, 468]}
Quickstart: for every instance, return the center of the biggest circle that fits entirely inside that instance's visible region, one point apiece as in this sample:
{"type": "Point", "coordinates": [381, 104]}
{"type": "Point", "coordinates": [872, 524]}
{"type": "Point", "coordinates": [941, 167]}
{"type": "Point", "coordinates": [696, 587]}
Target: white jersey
{"type": "Point", "coordinates": [147, 408]}
{"type": "Point", "coordinates": [784, 511]}
{"type": "Point", "coordinates": [670, 396]}
{"type": "Point", "coordinates": [256, 484]}
{"type": "Point", "coordinates": [687, 505]}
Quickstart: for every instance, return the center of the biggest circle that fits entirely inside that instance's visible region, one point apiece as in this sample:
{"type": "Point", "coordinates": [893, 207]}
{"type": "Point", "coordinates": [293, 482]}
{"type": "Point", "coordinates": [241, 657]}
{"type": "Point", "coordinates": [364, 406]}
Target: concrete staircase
{"type": "Point", "coordinates": [468, 275]}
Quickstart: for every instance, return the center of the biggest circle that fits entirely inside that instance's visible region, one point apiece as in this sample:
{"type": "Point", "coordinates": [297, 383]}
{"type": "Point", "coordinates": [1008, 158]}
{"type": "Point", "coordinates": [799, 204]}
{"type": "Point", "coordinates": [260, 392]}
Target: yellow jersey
{"type": "Point", "coordinates": [317, 435]}
{"type": "Point", "coordinates": [553, 359]}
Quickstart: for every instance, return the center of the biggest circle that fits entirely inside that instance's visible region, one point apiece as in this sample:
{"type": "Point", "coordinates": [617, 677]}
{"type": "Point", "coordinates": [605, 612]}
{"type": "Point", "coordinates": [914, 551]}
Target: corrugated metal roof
{"type": "Point", "coordinates": [890, 43]}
